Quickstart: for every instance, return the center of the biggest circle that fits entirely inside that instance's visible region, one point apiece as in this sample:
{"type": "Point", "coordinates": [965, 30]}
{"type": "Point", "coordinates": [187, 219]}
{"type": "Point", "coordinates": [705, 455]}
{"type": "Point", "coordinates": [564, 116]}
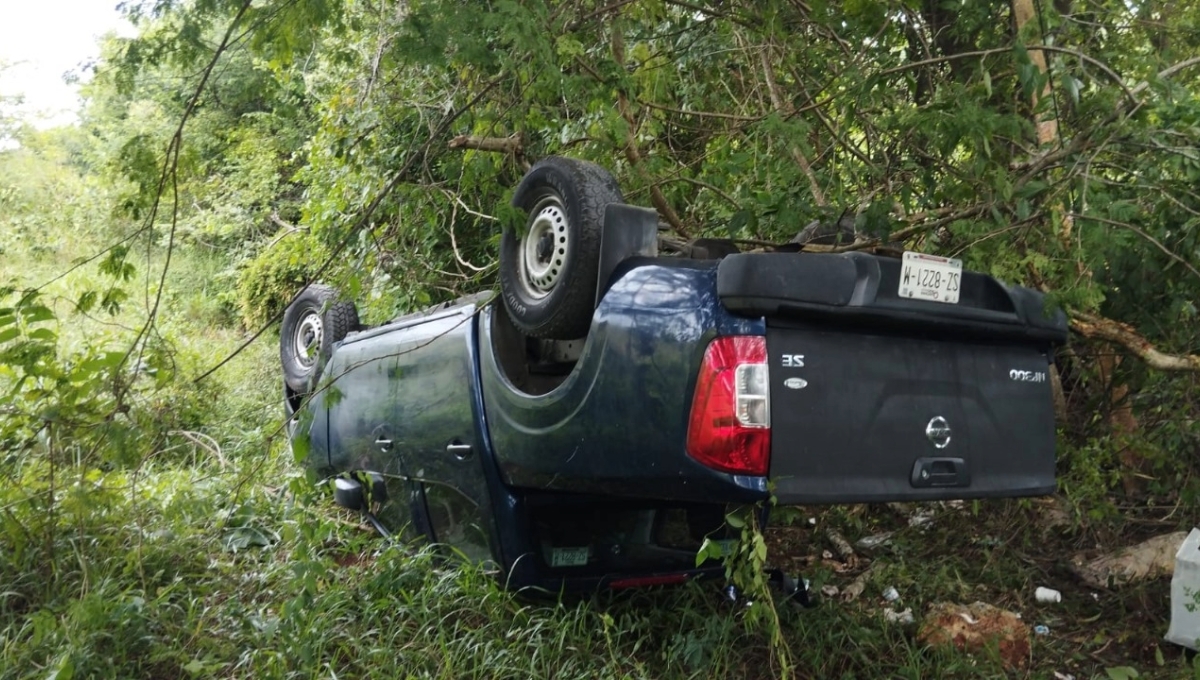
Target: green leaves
{"type": "Point", "coordinates": [115, 264]}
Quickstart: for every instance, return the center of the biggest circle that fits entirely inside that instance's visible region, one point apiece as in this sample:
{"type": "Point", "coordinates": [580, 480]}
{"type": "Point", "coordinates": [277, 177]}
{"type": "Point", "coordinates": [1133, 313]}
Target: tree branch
{"type": "Point", "coordinates": [363, 218]}
{"type": "Point", "coordinates": [278, 221]}
{"type": "Point", "coordinates": [631, 146]}
{"type": "Point", "coordinates": [703, 185]}
{"type": "Point", "coordinates": [1100, 328]}
{"type": "Point", "coordinates": [702, 114]}
{"type": "Point", "coordinates": [1168, 72]}
{"type": "Point", "coordinates": [511, 144]}
{"type": "Point", "coordinates": [777, 102]}
{"type": "Point", "coordinates": [1140, 232]}
{"type": "Point", "coordinates": [899, 234]}
{"type": "Point", "coordinates": [1130, 94]}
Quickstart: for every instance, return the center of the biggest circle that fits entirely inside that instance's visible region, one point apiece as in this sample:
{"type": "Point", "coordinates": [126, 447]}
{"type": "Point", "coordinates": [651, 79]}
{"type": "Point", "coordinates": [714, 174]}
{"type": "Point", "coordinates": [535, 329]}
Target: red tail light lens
{"type": "Point", "coordinates": [730, 424]}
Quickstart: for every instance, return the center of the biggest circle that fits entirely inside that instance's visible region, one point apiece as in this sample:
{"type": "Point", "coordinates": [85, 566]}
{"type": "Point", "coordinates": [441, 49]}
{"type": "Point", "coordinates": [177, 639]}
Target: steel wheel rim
{"type": "Point", "coordinates": [307, 339]}
{"type": "Point", "coordinates": [545, 247]}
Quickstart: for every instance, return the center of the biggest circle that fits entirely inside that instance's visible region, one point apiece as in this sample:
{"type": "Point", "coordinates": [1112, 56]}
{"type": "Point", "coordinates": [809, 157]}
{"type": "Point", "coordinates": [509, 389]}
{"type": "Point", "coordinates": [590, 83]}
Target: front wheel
{"type": "Point", "coordinates": [548, 268]}
{"type": "Point", "coordinates": [312, 324]}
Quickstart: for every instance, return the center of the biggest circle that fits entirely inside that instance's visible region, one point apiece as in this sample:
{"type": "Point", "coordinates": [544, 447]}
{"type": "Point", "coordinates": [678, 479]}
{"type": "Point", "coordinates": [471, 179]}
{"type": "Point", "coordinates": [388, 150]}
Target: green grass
{"type": "Point", "coordinates": [201, 570]}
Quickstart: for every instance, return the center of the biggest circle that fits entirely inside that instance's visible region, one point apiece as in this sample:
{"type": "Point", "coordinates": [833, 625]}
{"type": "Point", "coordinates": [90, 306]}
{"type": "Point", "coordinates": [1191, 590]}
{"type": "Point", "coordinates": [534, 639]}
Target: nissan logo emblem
{"type": "Point", "coordinates": [938, 432]}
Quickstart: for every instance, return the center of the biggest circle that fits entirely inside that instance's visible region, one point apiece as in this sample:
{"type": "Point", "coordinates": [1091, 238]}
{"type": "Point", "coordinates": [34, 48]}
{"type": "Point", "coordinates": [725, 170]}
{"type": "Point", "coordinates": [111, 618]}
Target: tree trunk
{"type": "Point", "coordinates": [1047, 130]}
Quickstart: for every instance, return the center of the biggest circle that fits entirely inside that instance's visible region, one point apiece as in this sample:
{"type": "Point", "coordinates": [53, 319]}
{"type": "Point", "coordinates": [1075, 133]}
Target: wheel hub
{"type": "Point", "coordinates": [308, 339]}
{"type": "Point", "coordinates": [545, 248]}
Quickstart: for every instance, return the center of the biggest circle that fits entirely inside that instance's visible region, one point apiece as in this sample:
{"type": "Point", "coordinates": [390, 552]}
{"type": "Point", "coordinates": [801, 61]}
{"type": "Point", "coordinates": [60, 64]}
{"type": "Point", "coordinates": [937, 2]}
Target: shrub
{"type": "Point", "coordinates": [275, 274]}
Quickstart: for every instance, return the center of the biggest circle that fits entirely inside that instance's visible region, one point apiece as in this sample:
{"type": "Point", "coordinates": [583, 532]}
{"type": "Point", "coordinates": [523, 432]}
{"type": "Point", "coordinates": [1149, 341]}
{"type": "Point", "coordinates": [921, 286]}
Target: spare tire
{"type": "Point", "coordinates": [312, 324]}
{"type": "Point", "coordinates": [548, 268]}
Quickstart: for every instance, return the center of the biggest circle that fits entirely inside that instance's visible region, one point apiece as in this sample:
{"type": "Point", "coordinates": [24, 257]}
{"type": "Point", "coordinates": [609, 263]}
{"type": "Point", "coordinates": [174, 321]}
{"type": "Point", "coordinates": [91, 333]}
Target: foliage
{"type": "Point", "coordinates": [746, 569]}
{"type": "Point", "coordinates": [275, 275]}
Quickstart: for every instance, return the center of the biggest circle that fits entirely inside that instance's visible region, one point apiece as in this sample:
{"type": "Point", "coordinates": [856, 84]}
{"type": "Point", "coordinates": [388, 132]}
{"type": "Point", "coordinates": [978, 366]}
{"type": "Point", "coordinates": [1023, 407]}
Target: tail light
{"type": "Point", "coordinates": [730, 424]}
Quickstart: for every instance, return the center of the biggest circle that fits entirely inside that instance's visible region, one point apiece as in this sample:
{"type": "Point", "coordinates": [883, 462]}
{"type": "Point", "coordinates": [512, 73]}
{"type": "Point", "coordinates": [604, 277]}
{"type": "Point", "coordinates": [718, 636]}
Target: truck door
{"type": "Point", "coordinates": [402, 404]}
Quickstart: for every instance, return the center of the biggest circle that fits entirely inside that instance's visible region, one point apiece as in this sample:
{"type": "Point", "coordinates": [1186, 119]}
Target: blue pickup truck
{"type": "Point", "coordinates": [591, 424]}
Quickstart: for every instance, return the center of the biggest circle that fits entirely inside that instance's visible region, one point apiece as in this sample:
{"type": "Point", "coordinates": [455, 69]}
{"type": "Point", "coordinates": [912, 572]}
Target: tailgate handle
{"type": "Point", "coordinates": [940, 472]}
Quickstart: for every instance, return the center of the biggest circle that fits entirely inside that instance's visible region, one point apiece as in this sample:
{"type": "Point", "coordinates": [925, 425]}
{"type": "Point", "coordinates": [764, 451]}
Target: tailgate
{"type": "Point", "coordinates": [885, 417]}
{"type": "Point", "coordinates": [877, 397]}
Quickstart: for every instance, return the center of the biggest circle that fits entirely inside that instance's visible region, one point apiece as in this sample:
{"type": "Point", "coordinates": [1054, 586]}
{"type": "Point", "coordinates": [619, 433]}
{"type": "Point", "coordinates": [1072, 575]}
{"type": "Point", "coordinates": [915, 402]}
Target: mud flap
{"type": "Point", "coordinates": [629, 231]}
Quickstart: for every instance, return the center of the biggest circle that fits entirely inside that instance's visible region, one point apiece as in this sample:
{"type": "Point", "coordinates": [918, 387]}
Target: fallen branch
{"type": "Point", "coordinates": [703, 185]}
{"type": "Point", "coordinates": [513, 145]}
{"type": "Point", "coordinates": [852, 592]}
{"type": "Point", "coordinates": [453, 241]}
{"type": "Point", "coordinates": [1100, 328]}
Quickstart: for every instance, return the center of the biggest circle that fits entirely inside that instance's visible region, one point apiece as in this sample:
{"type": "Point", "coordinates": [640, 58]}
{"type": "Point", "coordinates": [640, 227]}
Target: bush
{"type": "Point", "coordinates": [275, 274]}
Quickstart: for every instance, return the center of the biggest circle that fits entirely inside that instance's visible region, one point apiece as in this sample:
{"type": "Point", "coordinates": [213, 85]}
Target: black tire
{"type": "Point", "coordinates": [548, 268]}
{"type": "Point", "coordinates": [311, 325]}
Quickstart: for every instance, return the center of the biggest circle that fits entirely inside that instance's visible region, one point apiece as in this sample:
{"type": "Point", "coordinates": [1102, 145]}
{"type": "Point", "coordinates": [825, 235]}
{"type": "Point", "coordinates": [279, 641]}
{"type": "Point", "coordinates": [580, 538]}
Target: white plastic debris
{"type": "Point", "coordinates": [1185, 594]}
{"type": "Point", "coordinates": [1041, 630]}
{"type": "Point", "coordinates": [921, 519]}
{"type": "Point", "coordinates": [1048, 596]}
{"type": "Point", "coordinates": [890, 594]}
{"type": "Point", "coordinates": [869, 543]}
{"type": "Point", "coordinates": [903, 618]}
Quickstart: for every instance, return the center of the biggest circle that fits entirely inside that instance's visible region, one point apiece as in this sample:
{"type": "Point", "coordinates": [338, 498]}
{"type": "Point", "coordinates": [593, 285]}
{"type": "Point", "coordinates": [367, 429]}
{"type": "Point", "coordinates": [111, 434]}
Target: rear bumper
{"type": "Point", "coordinates": [859, 290]}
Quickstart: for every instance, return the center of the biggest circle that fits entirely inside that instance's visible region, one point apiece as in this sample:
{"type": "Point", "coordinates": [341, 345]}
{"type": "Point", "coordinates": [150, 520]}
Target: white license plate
{"type": "Point", "coordinates": [569, 557]}
{"type": "Point", "coordinates": [929, 277]}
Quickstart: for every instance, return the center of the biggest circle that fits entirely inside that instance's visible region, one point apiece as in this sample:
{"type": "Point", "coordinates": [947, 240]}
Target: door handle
{"type": "Point", "coordinates": [460, 451]}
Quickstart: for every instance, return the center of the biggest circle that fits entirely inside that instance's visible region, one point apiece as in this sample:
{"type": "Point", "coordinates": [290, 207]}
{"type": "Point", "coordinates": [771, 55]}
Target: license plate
{"type": "Point", "coordinates": [929, 277]}
{"type": "Point", "coordinates": [569, 557]}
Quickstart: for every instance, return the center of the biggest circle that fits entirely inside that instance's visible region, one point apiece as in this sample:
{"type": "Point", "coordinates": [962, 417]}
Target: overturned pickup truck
{"type": "Point", "coordinates": [591, 425]}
